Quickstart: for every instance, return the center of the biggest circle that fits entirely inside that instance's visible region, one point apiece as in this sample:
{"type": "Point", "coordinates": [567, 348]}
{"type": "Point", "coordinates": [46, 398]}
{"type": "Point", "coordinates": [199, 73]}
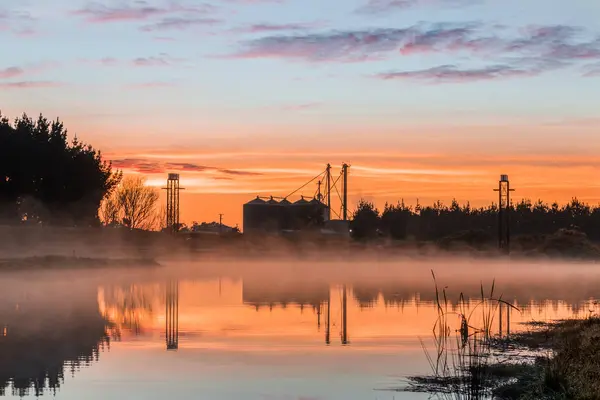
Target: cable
{"type": "Point", "coordinates": [306, 184]}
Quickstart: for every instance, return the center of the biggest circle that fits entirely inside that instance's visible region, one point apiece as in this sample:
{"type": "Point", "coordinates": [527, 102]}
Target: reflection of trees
{"type": "Point", "coordinates": [128, 307]}
{"type": "Point", "coordinates": [572, 290]}
{"type": "Point", "coordinates": [41, 335]}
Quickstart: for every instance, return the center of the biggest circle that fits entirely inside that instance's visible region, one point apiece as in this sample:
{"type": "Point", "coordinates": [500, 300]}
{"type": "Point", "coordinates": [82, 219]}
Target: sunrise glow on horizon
{"type": "Point", "coordinates": [425, 99]}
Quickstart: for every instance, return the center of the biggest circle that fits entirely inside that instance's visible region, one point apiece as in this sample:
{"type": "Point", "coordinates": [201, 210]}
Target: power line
{"type": "Point", "coordinates": [306, 184]}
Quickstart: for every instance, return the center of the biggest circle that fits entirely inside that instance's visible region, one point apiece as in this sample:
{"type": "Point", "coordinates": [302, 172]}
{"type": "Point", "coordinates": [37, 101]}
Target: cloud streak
{"type": "Point", "coordinates": [156, 167]}
{"type": "Point", "coordinates": [528, 51]}
{"type": "Point", "coordinates": [453, 74]}
{"type": "Point", "coordinates": [179, 23]}
{"type": "Point", "coordinates": [139, 11]}
{"type": "Point", "coordinates": [11, 72]}
{"type": "Point", "coordinates": [29, 85]}
{"type": "Point", "coordinates": [301, 107]}
{"type": "Point", "coordinates": [386, 6]}
{"type": "Point", "coordinates": [267, 27]}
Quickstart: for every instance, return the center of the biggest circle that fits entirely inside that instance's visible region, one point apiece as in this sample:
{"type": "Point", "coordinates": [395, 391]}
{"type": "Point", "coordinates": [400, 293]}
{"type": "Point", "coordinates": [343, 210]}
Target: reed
{"type": "Point", "coordinates": [463, 359]}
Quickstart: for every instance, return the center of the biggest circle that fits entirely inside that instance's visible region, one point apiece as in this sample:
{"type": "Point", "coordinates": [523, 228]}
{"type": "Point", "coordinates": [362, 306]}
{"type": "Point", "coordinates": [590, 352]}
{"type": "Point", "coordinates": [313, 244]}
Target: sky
{"type": "Point", "coordinates": [425, 99]}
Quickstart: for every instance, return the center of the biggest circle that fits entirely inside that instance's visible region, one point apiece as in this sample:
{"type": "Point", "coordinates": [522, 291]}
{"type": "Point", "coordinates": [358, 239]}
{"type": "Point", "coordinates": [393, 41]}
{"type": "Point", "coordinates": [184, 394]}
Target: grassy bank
{"type": "Point", "coordinates": [567, 368]}
{"type": "Point", "coordinates": [550, 361]}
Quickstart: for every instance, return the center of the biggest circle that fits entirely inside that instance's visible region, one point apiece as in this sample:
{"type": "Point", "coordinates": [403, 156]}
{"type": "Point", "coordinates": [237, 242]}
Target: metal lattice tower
{"type": "Point", "coordinates": [172, 316]}
{"type": "Point", "coordinates": [173, 202]}
{"type": "Point", "coordinates": [504, 213]}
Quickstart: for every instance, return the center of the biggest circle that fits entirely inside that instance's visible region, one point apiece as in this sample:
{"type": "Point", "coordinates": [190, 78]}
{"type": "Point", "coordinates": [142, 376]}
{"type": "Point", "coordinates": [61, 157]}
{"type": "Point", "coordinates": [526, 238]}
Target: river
{"type": "Point", "coordinates": [256, 331]}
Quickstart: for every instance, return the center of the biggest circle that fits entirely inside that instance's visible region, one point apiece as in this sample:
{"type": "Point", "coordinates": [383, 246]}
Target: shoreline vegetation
{"type": "Point", "coordinates": [555, 360]}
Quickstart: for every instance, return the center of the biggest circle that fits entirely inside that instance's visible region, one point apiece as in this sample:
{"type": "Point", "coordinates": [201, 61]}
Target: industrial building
{"type": "Point", "coordinates": [269, 216]}
{"type": "Point", "coordinates": [278, 215]}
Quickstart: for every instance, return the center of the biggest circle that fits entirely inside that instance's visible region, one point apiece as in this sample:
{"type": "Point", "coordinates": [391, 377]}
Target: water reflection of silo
{"type": "Point", "coordinates": [172, 315]}
{"type": "Point", "coordinates": [259, 294]}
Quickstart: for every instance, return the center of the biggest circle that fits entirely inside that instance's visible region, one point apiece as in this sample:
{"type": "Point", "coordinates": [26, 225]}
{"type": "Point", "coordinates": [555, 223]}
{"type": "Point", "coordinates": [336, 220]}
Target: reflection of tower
{"type": "Point", "coordinates": [173, 202]}
{"type": "Point", "coordinates": [172, 315]}
{"type": "Point", "coordinates": [503, 213]}
{"type": "Point", "coordinates": [344, 316]}
{"type": "Point", "coordinates": [501, 319]}
{"type": "Point", "coordinates": [328, 329]}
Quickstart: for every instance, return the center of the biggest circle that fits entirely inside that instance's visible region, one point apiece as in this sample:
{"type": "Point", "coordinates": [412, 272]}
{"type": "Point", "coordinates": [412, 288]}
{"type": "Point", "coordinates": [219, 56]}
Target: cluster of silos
{"type": "Point", "coordinates": [274, 216]}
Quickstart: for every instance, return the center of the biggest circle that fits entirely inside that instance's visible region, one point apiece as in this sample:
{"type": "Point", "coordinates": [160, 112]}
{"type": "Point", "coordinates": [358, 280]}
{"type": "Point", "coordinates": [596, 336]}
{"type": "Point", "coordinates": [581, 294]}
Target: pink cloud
{"type": "Point", "coordinates": [266, 27]}
{"type": "Point", "coordinates": [11, 72]}
{"type": "Point", "coordinates": [140, 11]}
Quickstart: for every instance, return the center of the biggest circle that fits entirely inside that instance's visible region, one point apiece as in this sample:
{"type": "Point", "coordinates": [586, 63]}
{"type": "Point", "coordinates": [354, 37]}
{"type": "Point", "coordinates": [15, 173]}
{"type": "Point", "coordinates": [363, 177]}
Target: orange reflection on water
{"type": "Point", "coordinates": [230, 314]}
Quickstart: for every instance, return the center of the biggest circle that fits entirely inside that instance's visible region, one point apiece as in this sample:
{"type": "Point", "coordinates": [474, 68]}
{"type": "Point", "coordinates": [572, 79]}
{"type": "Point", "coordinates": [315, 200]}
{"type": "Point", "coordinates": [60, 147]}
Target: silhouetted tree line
{"type": "Point", "coordinates": [433, 222]}
{"type": "Point", "coordinates": [46, 179]}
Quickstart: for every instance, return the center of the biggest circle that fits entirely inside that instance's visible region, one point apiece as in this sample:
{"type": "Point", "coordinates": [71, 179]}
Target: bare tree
{"type": "Point", "coordinates": [133, 204]}
{"type": "Point", "coordinates": [110, 211]}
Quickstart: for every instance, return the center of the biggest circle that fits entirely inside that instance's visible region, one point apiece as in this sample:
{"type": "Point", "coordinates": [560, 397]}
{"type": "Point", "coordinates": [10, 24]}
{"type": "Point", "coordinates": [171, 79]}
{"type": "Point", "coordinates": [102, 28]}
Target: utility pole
{"type": "Point", "coordinates": [345, 183]}
{"type": "Point", "coordinates": [329, 190]}
{"type": "Point", "coordinates": [221, 223]}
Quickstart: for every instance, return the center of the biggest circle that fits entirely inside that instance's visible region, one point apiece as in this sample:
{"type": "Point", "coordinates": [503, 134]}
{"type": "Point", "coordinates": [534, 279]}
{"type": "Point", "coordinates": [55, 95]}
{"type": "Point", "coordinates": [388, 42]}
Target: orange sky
{"type": "Point", "coordinates": [221, 181]}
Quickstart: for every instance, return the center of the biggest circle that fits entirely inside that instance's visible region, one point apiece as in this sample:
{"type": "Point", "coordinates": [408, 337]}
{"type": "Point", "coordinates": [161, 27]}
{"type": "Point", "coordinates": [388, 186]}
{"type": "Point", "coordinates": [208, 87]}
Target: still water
{"type": "Point", "coordinates": [253, 331]}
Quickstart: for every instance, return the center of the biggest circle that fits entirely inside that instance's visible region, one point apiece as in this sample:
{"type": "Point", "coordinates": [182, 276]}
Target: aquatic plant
{"type": "Point", "coordinates": [463, 365]}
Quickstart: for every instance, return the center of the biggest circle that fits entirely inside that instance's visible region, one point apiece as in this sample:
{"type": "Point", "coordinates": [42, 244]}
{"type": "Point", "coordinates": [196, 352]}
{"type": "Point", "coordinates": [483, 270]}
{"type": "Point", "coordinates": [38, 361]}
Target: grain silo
{"type": "Point", "coordinates": [254, 214]}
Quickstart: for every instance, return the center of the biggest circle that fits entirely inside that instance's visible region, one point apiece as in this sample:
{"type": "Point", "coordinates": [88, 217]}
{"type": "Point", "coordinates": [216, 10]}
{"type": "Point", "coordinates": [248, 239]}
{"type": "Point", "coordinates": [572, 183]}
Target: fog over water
{"type": "Point", "coordinates": [255, 329]}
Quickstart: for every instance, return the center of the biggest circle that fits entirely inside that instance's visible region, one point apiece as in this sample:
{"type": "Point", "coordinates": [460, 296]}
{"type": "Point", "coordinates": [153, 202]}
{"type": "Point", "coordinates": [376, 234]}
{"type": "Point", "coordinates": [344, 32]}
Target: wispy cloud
{"type": "Point", "coordinates": [269, 27]}
{"type": "Point", "coordinates": [530, 50]}
{"type": "Point", "coordinates": [341, 46]}
{"type": "Point", "coordinates": [29, 85]}
{"type": "Point", "coordinates": [150, 61]}
{"type": "Point", "coordinates": [453, 74]}
{"type": "Point", "coordinates": [301, 107]}
{"type": "Point", "coordinates": [143, 165]}
{"type": "Point", "coordinates": [179, 23]}
{"type": "Point", "coordinates": [159, 60]}
{"type": "Point", "coordinates": [18, 22]}
{"type": "Point", "coordinates": [11, 72]}
{"type": "Point", "coordinates": [592, 70]}
{"type": "Point", "coordinates": [386, 6]}
{"type": "Point", "coordinates": [138, 11]}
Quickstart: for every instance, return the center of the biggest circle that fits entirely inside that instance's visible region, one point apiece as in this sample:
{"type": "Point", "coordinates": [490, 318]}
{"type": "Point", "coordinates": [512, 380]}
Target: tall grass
{"type": "Point", "coordinates": [461, 363]}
